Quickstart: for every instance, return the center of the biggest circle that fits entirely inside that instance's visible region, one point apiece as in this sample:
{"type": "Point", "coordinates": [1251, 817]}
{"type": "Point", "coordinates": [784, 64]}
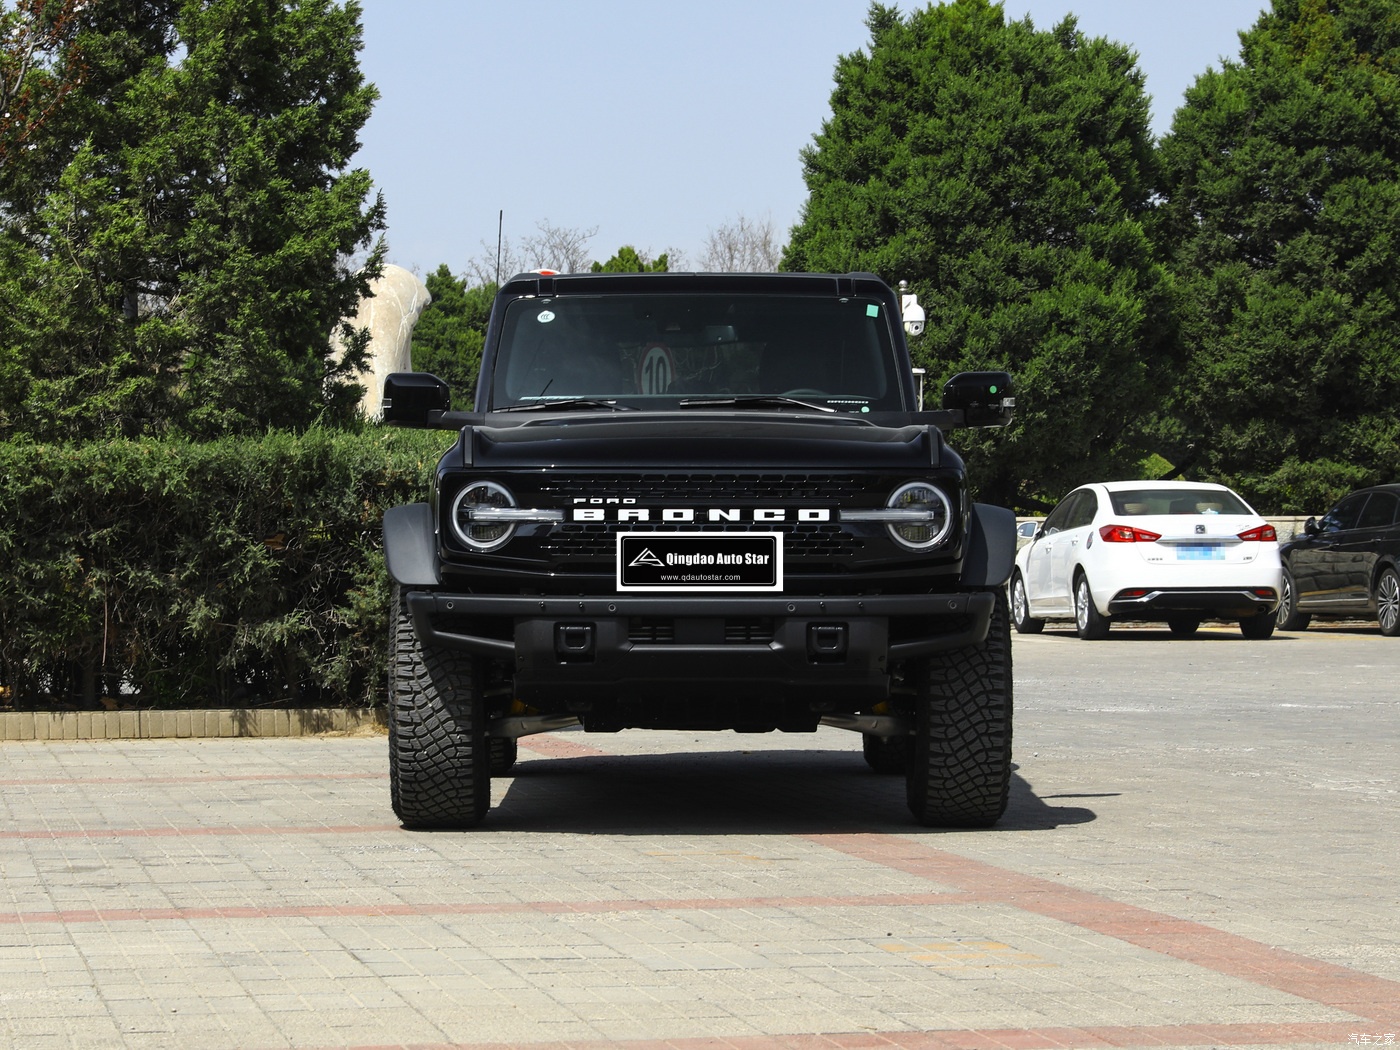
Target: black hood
{"type": "Point", "coordinates": [712, 440]}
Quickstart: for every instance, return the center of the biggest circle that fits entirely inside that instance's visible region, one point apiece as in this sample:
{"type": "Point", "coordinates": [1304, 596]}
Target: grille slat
{"type": "Point", "coordinates": [577, 541]}
{"type": "Point", "coordinates": [661, 630]}
{"type": "Point", "coordinates": [596, 541]}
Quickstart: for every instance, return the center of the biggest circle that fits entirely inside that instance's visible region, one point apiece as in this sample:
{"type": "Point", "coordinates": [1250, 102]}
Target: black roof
{"type": "Point", "coordinates": [635, 283]}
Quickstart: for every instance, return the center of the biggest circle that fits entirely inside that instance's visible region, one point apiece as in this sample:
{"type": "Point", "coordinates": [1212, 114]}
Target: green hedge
{"type": "Point", "coordinates": [229, 573]}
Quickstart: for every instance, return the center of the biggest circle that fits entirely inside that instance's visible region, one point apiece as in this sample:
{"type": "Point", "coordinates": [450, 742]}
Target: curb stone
{"type": "Point", "coordinates": [197, 723]}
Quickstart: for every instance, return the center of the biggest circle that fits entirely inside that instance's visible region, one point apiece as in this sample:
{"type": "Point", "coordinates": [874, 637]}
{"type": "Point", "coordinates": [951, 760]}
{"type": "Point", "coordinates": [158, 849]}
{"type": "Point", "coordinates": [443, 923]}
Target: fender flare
{"type": "Point", "coordinates": [410, 545]}
{"type": "Point", "coordinates": [991, 546]}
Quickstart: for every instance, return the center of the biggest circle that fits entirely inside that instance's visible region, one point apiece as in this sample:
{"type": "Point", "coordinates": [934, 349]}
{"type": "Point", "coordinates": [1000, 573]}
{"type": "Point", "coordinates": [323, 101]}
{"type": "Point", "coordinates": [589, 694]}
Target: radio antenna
{"type": "Point", "coordinates": [500, 226]}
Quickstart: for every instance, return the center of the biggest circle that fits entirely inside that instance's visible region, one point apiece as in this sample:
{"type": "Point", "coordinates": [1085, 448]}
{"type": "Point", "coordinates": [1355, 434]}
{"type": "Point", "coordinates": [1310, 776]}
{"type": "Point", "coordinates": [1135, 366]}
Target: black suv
{"type": "Point", "coordinates": [1347, 564]}
{"type": "Point", "coordinates": [699, 502]}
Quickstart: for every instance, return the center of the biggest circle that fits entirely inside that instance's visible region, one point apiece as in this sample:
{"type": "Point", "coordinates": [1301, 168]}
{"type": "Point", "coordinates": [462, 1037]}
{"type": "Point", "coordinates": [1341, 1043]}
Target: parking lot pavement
{"type": "Point", "coordinates": [1200, 851]}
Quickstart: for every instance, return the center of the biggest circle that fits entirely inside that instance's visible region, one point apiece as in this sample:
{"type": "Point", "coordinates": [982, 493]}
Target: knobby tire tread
{"type": "Point", "coordinates": [439, 756]}
{"type": "Point", "coordinates": [960, 770]}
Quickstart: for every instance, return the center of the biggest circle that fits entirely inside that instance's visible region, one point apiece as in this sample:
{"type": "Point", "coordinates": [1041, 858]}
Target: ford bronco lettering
{"type": "Point", "coordinates": [699, 502]}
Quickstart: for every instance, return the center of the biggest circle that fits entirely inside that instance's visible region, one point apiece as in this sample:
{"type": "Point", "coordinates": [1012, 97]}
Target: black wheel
{"type": "Point", "coordinates": [1087, 620]}
{"type": "Point", "coordinates": [1183, 626]}
{"type": "Point", "coordinates": [1388, 603]}
{"type": "Point", "coordinates": [885, 754]}
{"type": "Point", "coordinates": [504, 751]}
{"type": "Point", "coordinates": [1021, 609]}
{"type": "Point", "coordinates": [1258, 627]}
{"type": "Point", "coordinates": [1288, 617]}
{"type": "Point", "coordinates": [959, 772]}
{"type": "Point", "coordinates": [439, 758]}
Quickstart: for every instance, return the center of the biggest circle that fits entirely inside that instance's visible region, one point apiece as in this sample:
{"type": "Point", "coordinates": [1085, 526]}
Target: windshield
{"type": "Point", "coordinates": [1176, 501]}
{"type": "Point", "coordinates": [662, 351]}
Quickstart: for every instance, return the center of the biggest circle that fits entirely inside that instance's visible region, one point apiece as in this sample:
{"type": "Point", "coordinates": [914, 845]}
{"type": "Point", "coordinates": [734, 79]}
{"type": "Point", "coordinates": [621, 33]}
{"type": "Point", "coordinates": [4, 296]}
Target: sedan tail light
{"type": "Point", "coordinates": [1262, 533]}
{"type": "Point", "coordinates": [1127, 534]}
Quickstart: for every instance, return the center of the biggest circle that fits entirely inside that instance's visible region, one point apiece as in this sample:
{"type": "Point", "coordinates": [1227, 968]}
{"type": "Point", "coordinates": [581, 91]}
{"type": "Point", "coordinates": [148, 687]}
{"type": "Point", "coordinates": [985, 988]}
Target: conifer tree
{"type": "Point", "coordinates": [1281, 202]}
{"type": "Point", "coordinates": [1005, 172]}
{"type": "Point", "coordinates": [190, 236]}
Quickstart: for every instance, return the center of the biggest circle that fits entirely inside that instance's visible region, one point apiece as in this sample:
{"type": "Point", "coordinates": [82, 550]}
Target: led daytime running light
{"type": "Point", "coordinates": [919, 516]}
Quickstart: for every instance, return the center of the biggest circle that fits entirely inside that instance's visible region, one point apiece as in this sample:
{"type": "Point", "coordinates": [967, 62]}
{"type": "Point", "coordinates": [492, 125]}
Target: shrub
{"type": "Point", "coordinates": [234, 572]}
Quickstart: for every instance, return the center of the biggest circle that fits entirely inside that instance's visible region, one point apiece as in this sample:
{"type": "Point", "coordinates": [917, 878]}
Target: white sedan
{"type": "Point", "coordinates": [1173, 551]}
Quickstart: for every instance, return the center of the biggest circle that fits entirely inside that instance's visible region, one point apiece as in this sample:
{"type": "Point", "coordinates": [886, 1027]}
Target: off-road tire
{"type": "Point", "coordinates": [885, 755]}
{"type": "Point", "coordinates": [1388, 602]}
{"type": "Point", "coordinates": [959, 773]}
{"type": "Point", "coordinates": [1288, 616]}
{"type": "Point", "coordinates": [1258, 627]}
{"type": "Point", "coordinates": [1021, 616]}
{"type": "Point", "coordinates": [504, 751]}
{"type": "Point", "coordinates": [439, 756]}
{"type": "Point", "coordinates": [1088, 621]}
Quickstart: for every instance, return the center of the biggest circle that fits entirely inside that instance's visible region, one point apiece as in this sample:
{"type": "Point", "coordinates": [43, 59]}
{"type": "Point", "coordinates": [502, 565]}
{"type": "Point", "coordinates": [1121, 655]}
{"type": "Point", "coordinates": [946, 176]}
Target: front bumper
{"type": "Point", "coordinates": [835, 650]}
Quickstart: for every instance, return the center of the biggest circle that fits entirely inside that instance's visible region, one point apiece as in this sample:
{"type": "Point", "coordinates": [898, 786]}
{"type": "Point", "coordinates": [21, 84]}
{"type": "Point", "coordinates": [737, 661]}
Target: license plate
{"type": "Point", "coordinates": [1200, 552]}
{"type": "Point", "coordinates": [700, 561]}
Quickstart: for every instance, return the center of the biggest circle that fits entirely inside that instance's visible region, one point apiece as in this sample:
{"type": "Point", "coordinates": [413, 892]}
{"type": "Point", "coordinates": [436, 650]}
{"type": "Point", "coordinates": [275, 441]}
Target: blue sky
{"type": "Point", "coordinates": [653, 121]}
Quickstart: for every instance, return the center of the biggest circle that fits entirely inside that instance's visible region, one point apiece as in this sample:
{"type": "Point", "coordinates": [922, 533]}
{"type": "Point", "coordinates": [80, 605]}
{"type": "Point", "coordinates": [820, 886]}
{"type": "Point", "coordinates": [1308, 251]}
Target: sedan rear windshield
{"type": "Point", "coordinates": [1129, 502]}
{"type": "Point", "coordinates": [659, 351]}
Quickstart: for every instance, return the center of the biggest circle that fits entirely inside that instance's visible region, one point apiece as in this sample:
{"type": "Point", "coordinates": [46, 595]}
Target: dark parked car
{"type": "Point", "coordinates": [1347, 564]}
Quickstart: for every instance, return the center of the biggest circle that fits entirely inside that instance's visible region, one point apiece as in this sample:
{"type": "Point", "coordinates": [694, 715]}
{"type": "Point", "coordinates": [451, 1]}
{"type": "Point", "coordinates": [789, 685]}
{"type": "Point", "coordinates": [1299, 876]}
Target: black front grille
{"type": "Point", "coordinates": [810, 542]}
{"type": "Point", "coordinates": [585, 542]}
{"type": "Point", "coordinates": [717, 489]}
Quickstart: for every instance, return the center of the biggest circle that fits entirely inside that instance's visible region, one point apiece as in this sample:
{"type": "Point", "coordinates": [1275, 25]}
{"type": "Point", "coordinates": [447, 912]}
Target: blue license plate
{"type": "Point", "coordinates": [1200, 552]}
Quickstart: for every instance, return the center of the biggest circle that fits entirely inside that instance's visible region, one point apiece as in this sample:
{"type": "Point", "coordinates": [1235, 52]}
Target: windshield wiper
{"type": "Point", "coordinates": [753, 400]}
{"type": "Point", "coordinates": [568, 403]}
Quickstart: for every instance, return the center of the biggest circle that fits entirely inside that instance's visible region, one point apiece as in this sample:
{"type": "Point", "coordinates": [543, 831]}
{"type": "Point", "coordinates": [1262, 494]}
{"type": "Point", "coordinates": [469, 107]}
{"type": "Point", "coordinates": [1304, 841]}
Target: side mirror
{"type": "Point", "coordinates": [409, 397]}
{"type": "Point", "coordinates": [1310, 527]}
{"type": "Point", "coordinates": [984, 398]}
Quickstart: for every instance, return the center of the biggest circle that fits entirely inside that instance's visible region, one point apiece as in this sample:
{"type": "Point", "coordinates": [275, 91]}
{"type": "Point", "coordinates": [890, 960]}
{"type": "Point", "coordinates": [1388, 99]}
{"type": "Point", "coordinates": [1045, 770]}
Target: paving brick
{"type": "Point", "coordinates": [1195, 854]}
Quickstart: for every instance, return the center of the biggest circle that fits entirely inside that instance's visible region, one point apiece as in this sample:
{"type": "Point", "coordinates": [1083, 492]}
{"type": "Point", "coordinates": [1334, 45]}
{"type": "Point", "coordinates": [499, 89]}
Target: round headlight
{"type": "Point", "coordinates": [928, 514]}
{"type": "Point", "coordinates": [472, 514]}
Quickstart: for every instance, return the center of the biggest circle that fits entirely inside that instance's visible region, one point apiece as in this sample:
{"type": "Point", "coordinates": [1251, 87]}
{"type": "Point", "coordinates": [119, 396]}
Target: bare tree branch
{"type": "Point", "coordinates": [561, 248]}
{"type": "Point", "coordinates": [743, 246]}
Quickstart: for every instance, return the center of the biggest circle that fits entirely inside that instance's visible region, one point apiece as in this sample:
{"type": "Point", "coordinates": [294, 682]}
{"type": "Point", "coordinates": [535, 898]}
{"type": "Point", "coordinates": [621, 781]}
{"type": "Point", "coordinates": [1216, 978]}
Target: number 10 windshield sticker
{"type": "Point", "coordinates": [656, 370]}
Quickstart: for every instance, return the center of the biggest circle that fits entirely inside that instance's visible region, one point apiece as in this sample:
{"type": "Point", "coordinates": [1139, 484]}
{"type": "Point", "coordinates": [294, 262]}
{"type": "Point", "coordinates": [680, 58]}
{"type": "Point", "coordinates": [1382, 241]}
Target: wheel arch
{"type": "Point", "coordinates": [1385, 561]}
{"type": "Point", "coordinates": [410, 545]}
{"type": "Point", "coordinates": [991, 548]}
{"type": "Point", "coordinates": [1078, 571]}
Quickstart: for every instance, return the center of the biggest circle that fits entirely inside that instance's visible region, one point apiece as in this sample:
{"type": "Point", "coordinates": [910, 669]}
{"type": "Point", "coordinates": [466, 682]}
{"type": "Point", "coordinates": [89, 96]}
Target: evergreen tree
{"type": "Point", "coordinates": [627, 260]}
{"type": "Point", "coordinates": [1281, 187]}
{"type": "Point", "coordinates": [181, 252]}
{"type": "Point", "coordinates": [451, 331]}
{"type": "Point", "coordinates": [1005, 173]}
{"type": "Point", "coordinates": [37, 71]}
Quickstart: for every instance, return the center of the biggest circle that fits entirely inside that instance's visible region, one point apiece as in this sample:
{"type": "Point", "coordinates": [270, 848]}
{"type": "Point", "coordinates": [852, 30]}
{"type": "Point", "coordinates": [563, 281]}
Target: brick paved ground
{"type": "Point", "coordinates": [1201, 851]}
